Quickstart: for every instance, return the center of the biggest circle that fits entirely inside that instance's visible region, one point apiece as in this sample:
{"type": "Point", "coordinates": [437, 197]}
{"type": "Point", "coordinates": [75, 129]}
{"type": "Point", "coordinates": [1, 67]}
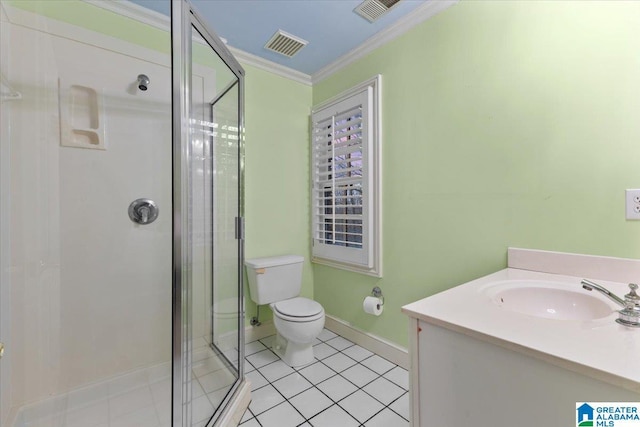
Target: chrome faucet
{"type": "Point", "coordinates": [630, 314]}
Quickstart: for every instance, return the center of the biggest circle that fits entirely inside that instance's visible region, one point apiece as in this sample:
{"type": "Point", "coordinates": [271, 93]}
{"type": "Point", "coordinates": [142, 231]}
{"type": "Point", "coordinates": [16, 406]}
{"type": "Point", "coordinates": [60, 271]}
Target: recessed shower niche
{"type": "Point", "coordinates": [81, 116]}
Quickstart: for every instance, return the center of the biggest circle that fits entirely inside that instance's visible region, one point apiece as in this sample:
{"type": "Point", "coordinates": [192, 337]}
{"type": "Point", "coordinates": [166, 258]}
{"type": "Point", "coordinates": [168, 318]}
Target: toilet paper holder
{"type": "Point", "coordinates": [377, 292]}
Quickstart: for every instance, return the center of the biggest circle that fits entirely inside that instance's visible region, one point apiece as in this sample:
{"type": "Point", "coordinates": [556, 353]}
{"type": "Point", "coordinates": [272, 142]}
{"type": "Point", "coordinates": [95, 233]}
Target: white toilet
{"type": "Point", "coordinates": [276, 281]}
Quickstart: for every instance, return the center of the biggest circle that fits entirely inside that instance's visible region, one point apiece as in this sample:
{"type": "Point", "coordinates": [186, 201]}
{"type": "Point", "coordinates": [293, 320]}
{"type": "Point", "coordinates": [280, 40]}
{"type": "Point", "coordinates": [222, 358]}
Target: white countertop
{"type": "Point", "coordinates": [600, 348]}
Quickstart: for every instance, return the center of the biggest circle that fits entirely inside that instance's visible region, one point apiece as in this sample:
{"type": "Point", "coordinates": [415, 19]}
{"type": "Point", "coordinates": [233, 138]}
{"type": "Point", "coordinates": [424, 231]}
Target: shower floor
{"type": "Point", "coordinates": [140, 398]}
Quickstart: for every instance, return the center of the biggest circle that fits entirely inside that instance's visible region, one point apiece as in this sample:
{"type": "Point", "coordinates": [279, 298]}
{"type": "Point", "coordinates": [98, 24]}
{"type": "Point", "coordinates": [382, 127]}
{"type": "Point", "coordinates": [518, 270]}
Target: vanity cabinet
{"type": "Point", "coordinates": [479, 357]}
{"type": "Point", "coordinates": [459, 380]}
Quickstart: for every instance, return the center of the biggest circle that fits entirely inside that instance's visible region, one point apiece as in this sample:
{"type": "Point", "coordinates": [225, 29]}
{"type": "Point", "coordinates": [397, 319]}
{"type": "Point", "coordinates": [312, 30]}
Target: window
{"type": "Point", "coordinates": [345, 202]}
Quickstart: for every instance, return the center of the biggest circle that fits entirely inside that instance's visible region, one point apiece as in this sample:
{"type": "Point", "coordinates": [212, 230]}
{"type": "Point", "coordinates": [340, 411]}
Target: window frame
{"type": "Point", "coordinates": [369, 261]}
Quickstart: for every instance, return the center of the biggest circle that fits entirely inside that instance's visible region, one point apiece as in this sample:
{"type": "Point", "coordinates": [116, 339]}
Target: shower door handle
{"type": "Point", "coordinates": [143, 211]}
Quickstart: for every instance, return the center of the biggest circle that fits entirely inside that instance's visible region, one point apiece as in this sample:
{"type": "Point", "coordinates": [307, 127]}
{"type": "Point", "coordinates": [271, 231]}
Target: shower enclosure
{"type": "Point", "coordinates": [120, 217]}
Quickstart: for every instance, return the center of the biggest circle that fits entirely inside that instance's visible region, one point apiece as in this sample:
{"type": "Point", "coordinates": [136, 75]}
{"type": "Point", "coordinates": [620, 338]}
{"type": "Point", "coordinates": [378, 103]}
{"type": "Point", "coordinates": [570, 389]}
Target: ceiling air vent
{"type": "Point", "coordinates": [371, 10]}
{"type": "Point", "coordinates": [285, 44]}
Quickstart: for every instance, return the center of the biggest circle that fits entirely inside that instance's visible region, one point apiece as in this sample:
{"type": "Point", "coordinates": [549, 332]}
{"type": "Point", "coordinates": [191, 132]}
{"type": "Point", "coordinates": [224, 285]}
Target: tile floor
{"type": "Point", "coordinates": [347, 385]}
{"type": "Point", "coordinates": [140, 398]}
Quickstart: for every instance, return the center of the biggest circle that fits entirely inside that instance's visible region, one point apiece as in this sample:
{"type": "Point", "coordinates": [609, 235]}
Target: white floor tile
{"type": "Point", "coordinates": [247, 416]}
{"type": "Point", "coordinates": [335, 416]}
{"type": "Point", "coordinates": [201, 354]}
{"type": "Point", "coordinates": [359, 375]}
{"type": "Point", "coordinates": [196, 389]}
{"type": "Point", "coordinates": [256, 379]}
{"type": "Point", "coordinates": [159, 372]}
{"type": "Point", "coordinates": [283, 415]}
{"type": "Point", "coordinates": [291, 385]}
{"type": "Point", "coordinates": [232, 355]}
{"type": "Point", "coordinates": [357, 353]}
{"type": "Point", "coordinates": [264, 398]}
{"type": "Point", "coordinates": [268, 341]}
{"type": "Point", "coordinates": [251, 423]}
{"type": "Point", "coordinates": [337, 388]}
{"type": "Point", "coordinates": [208, 365]}
{"type": "Point", "coordinates": [276, 370]}
{"type": "Point", "coordinates": [378, 364]}
{"type": "Point", "coordinates": [146, 417]}
{"type": "Point", "coordinates": [89, 416]}
{"type": "Point", "coordinates": [248, 367]}
{"type": "Point", "coordinates": [130, 401]}
{"type": "Point", "coordinates": [339, 343]}
{"type": "Point", "coordinates": [164, 413]}
{"type": "Point", "coordinates": [317, 372]}
{"type": "Point", "coordinates": [310, 402]}
{"type": "Point", "coordinates": [322, 351]}
{"type": "Point", "coordinates": [384, 390]}
{"type": "Point", "coordinates": [326, 335]}
{"type": "Point", "coordinates": [199, 424]}
{"type": "Point", "coordinates": [339, 362]}
{"type": "Point", "coordinates": [398, 376]}
{"type": "Point", "coordinates": [262, 358]}
{"type": "Point", "coordinates": [361, 406]}
{"type": "Point", "coordinates": [201, 409]}
{"type": "Point", "coordinates": [218, 396]}
{"type": "Point", "coordinates": [128, 382]}
{"type": "Point", "coordinates": [387, 418]}
{"type": "Point", "coordinates": [253, 347]}
{"type": "Point", "coordinates": [401, 406]}
{"type": "Point", "coordinates": [216, 380]}
{"type": "Point", "coordinates": [161, 391]}
{"type": "Point", "coordinates": [82, 397]}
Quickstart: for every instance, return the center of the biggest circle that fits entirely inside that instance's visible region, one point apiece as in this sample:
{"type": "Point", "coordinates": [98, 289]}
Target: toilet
{"type": "Point", "coordinates": [277, 281]}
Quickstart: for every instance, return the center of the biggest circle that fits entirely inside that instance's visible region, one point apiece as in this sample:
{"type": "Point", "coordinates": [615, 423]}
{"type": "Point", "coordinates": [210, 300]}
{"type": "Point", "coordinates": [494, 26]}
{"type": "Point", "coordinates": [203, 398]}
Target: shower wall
{"type": "Point", "coordinates": [5, 225]}
{"type": "Point", "coordinates": [90, 290]}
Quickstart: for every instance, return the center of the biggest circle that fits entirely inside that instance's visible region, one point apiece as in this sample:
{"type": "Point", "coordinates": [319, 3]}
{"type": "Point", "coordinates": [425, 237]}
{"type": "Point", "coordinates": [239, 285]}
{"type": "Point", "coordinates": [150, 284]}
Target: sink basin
{"type": "Point", "coordinates": [549, 300]}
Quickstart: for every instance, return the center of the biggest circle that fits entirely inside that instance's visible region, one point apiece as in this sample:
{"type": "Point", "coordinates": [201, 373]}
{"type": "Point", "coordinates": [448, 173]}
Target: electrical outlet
{"type": "Point", "coordinates": [633, 204]}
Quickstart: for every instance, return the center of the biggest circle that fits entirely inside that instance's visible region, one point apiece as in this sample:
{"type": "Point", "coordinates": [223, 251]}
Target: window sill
{"type": "Point", "coordinates": [373, 272]}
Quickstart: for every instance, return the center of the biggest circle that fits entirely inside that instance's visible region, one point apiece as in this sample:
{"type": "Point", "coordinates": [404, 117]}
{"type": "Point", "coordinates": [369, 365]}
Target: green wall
{"type": "Point", "coordinates": [504, 124]}
{"type": "Point", "coordinates": [277, 172]}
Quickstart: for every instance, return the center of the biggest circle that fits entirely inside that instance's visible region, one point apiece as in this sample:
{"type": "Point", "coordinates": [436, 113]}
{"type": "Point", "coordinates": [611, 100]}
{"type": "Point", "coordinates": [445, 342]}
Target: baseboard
{"type": "Point", "coordinates": [380, 346]}
{"type": "Point", "coordinates": [388, 350]}
{"type": "Point", "coordinates": [252, 333]}
{"type": "Point", "coordinates": [239, 403]}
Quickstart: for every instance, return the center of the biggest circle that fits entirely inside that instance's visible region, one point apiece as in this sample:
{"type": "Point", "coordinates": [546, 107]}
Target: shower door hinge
{"type": "Point", "coordinates": [240, 228]}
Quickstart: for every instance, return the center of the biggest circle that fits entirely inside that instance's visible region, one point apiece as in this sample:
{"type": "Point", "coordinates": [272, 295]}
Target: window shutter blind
{"type": "Point", "coordinates": [340, 162]}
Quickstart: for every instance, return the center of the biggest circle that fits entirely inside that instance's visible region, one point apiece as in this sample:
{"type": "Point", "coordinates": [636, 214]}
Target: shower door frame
{"type": "Point", "coordinates": [183, 18]}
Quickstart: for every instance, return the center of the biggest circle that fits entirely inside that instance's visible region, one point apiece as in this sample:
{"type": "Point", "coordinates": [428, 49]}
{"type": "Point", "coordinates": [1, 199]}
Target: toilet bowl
{"type": "Point", "coordinates": [277, 281]}
{"type": "Point", "coordinates": [298, 322]}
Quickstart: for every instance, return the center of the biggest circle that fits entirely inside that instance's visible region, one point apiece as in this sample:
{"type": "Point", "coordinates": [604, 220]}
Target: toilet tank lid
{"type": "Point", "coordinates": [273, 261]}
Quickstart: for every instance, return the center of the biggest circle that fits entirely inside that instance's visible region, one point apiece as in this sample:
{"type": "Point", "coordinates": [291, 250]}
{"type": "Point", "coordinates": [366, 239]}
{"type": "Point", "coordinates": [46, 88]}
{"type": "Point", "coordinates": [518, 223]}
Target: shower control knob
{"type": "Point", "coordinates": [143, 211]}
{"type": "Point", "coordinates": [1, 350]}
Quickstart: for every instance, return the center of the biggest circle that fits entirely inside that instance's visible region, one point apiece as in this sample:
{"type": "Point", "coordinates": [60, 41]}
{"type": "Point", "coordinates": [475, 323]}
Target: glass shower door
{"type": "Point", "coordinates": [211, 169]}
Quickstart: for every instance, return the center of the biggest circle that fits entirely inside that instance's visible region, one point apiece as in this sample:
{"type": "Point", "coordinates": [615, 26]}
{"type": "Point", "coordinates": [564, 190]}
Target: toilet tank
{"type": "Point", "coordinates": [274, 279]}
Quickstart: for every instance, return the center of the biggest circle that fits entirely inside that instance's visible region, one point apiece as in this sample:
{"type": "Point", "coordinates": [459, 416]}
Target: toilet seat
{"type": "Point", "coordinates": [298, 309]}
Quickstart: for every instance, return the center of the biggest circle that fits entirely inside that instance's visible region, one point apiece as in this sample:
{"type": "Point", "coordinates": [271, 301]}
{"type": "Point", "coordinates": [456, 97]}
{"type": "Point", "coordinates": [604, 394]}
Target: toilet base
{"type": "Point", "coordinates": [293, 354]}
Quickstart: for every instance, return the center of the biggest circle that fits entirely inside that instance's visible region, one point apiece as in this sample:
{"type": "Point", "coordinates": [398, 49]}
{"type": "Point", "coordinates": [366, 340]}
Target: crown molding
{"type": "Point", "coordinates": [134, 11]}
{"type": "Point", "coordinates": [422, 13]}
{"type": "Point", "coordinates": [160, 21]}
{"type": "Point", "coordinates": [272, 67]}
